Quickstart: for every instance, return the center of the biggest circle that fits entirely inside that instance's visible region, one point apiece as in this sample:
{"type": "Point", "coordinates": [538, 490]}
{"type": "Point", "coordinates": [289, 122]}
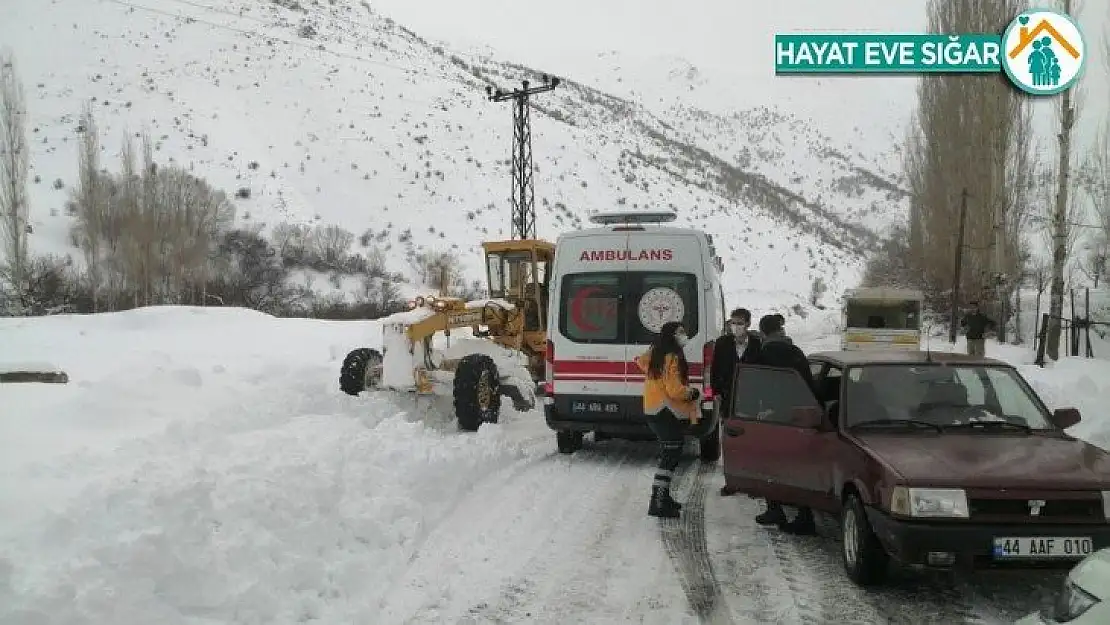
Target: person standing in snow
{"type": "Point", "coordinates": [779, 351]}
{"type": "Point", "coordinates": [670, 406]}
{"type": "Point", "coordinates": [739, 345]}
{"type": "Point", "coordinates": [977, 325]}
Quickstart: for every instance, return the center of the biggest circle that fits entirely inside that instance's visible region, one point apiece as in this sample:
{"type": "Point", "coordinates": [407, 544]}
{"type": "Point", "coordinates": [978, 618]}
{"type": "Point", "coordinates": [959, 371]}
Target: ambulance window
{"type": "Point", "coordinates": [591, 306]}
{"type": "Point", "coordinates": [657, 297]}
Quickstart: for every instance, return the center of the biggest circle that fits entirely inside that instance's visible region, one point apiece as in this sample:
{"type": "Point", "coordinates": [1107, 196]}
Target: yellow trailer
{"type": "Point", "coordinates": [882, 318]}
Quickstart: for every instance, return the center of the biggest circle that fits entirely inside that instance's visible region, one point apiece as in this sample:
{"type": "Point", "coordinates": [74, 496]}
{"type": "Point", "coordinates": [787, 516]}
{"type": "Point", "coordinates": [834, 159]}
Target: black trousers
{"type": "Point", "coordinates": [671, 432]}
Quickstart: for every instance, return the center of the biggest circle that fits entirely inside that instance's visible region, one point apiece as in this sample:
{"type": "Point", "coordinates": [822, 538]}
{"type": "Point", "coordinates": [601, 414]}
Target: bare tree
{"type": "Point", "coordinates": [15, 161]}
{"type": "Point", "coordinates": [1062, 216]}
{"type": "Point", "coordinates": [440, 271]}
{"type": "Point", "coordinates": [331, 243]}
{"type": "Point", "coordinates": [969, 132]}
{"type": "Point", "coordinates": [89, 199]}
{"type": "Point", "coordinates": [1095, 184]}
{"type": "Point", "coordinates": [291, 241]}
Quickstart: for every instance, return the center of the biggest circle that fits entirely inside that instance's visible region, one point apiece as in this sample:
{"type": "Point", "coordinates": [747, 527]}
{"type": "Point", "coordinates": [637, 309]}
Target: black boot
{"type": "Point", "coordinates": [802, 525]}
{"type": "Point", "coordinates": [661, 504]}
{"type": "Point", "coordinates": [773, 516]}
{"type": "Point", "coordinates": [670, 501]}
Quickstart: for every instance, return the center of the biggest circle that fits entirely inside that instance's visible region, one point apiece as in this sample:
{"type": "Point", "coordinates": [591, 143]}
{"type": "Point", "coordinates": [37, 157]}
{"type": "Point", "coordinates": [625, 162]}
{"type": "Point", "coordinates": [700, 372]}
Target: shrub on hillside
{"type": "Point", "coordinates": [441, 271]}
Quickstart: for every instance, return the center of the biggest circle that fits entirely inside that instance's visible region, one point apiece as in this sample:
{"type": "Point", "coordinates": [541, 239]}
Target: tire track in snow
{"type": "Point", "coordinates": [907, 598]}
{"type": "Point", "coordinates": [821, 592]}
{"type": "Point", "coordinates": [685, 542]}
{"type": "Point", "coordinates": [1003, 598]}
{"type": "Point", "coordinates": [549, 583]}
{"type": "Point", "coordinates": [772, 577]}
{"type": "Point", "coordinates": [527, 539]}
{"type": "Point", "coordinates": [449, 541]}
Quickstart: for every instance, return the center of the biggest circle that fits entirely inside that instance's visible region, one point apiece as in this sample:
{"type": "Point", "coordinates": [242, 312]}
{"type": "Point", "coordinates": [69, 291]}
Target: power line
{"type": "Point", "coordinates": [254, 33]}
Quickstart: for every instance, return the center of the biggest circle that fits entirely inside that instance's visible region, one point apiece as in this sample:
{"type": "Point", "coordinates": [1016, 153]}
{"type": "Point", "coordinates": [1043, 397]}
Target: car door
{"type": "Point", "coordinates": [815, 470]}
{"type": "Point", "coordinates": [763, 445]}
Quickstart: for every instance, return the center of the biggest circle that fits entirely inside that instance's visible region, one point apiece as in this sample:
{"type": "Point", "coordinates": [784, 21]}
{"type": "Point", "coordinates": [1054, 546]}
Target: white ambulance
{"type": "Point", "coordinates": [613, 287]}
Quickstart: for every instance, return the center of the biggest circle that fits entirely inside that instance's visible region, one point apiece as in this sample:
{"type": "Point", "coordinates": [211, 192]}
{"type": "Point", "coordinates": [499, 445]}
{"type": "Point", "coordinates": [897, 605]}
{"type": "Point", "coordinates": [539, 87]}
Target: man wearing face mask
{"type": "Point", "coordinates": [739, 345]}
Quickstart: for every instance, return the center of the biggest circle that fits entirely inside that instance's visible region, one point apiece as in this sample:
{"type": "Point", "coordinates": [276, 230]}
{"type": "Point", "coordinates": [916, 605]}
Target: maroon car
{"type": "Point", "coordinates": [929, 459]}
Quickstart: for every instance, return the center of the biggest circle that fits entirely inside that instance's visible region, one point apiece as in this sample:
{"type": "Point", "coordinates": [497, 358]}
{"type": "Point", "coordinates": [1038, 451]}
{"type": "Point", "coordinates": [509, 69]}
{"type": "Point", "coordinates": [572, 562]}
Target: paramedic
{"type": "Point", "coordinates": [670, 406]}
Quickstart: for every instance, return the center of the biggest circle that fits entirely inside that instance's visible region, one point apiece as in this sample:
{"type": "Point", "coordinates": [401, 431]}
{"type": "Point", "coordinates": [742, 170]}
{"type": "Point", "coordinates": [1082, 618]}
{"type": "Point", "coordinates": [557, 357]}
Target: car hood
{"type": "Point", "coordinates": [977, 460]}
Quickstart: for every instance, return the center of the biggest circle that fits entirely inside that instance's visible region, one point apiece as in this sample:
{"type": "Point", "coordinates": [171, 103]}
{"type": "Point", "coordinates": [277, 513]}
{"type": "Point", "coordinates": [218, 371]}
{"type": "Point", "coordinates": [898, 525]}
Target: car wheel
{"type": "Point", "coordinates": [865, 560]}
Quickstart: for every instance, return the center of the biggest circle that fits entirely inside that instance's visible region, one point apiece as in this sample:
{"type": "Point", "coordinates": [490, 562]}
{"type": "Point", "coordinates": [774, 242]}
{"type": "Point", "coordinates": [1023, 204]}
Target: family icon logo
{"type": "Point", "coordinates": [1044, 52]}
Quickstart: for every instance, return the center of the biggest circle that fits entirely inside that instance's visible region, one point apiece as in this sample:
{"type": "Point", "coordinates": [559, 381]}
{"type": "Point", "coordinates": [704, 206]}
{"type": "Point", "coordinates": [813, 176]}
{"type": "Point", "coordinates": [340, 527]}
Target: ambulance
{"type": "Point", "coordinates": [613, 288]}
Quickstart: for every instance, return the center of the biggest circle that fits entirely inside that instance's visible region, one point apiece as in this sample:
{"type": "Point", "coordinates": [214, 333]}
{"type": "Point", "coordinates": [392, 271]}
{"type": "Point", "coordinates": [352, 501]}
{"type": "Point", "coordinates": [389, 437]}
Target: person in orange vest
{"type": "Point", "coordinates": [670, 406]}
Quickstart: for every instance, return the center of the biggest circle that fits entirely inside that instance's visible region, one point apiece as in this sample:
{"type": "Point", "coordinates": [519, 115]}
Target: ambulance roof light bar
{"type": "Point", "coordinates": [633, 217]}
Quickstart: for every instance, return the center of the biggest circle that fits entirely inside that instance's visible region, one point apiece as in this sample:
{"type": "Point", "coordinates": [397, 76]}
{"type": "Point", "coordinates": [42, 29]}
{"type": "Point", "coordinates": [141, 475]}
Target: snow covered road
{"type": "Point", "coordinates": [203, 468]}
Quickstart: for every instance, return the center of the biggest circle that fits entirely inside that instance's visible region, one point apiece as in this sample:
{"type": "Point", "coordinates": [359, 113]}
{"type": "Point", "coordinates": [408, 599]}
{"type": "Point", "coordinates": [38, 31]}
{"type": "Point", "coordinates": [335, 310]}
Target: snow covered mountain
{"type": "Point", "coordinates": [327, 112]}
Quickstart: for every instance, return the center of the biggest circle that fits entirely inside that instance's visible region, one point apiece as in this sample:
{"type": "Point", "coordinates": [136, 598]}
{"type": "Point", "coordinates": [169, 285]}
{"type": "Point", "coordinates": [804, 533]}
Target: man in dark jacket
{"type": "Point", "coordinates": [739, 345]}
{"type": "Point", "coordinates": [977, 325]}
{"type": "Point", "coordinates": [779, 352]}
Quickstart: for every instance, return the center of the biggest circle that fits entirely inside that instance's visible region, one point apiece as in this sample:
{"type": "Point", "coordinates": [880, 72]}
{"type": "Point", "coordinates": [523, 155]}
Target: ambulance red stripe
{"type": "Point", "coordinates": [609, 367]}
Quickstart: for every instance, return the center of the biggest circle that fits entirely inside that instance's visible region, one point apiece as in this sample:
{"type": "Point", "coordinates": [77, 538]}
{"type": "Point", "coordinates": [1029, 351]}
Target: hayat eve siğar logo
{"type": "Point", "coordinates": [1043, 52]}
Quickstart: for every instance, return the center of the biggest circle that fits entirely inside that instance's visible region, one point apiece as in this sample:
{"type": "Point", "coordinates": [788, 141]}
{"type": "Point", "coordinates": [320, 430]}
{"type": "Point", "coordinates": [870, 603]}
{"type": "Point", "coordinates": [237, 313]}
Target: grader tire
{"type": "Point", "coordinates": [477, 392]}
{"type": "Point", "coordinates": [352, 375]}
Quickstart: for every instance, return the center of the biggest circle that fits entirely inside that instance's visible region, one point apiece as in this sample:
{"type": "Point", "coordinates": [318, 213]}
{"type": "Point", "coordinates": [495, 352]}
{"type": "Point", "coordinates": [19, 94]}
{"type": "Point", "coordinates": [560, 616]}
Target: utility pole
{"type": "Point", "coordinates": [523, 193]}
{"type": "Point", "coordinates": [954, 320]}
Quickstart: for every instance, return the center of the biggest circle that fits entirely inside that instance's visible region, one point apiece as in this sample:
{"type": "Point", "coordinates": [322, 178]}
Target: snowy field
{"type": "Point", "coordinates": [202, 467]}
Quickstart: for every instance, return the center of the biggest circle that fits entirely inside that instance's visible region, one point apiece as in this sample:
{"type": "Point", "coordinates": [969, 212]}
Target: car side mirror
{"type": "Point", "coordinates": [1064, 418]}
{"type": "Point", "coordinates": [809, 417]}
{"type": "Point", "coordinates": [832, 412]}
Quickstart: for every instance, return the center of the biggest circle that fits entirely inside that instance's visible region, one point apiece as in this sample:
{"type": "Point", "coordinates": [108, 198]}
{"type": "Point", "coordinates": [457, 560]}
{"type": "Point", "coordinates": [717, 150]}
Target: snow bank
{"type": "Point", "coordinates": [205, 468]}
{"type": "Point", "coordinates": [397, 361]}
{"type": "Point", "coordinates": [23, 367]}
{"type": "Point", "coordinates": [1076, 383]}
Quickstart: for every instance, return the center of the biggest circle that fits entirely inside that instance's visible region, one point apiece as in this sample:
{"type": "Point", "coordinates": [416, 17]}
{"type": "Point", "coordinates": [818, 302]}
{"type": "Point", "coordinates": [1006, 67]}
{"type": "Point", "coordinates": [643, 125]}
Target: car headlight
{"type": "Point", "coordinates": [1106, 504]}
{"type": "Point", "coordinates": [1071, 603]}
{"type": "Point", "coordinates": [948, 503]}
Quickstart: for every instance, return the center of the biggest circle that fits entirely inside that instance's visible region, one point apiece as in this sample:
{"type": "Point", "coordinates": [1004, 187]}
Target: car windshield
{"type": "Point", "coordinates": [947, 396]}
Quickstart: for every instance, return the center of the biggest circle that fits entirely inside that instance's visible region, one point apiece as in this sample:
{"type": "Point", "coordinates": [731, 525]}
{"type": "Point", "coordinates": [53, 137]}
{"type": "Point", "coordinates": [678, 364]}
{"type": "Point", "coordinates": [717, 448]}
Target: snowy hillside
{"type": "Point", "coordinates": [331, 113]}
{"type": "Point", "coordinates": [202, 466]}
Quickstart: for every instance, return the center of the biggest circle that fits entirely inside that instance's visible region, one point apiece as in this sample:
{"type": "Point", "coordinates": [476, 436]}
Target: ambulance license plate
{"type": "Point", "coordinates": [610, 407]}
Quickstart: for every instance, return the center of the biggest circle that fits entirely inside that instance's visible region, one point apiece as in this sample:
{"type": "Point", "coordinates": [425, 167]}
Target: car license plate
{"type": "Point", "coordinates": [1042, 547]}
{"type": "Point", "coordinates": [610, 407]}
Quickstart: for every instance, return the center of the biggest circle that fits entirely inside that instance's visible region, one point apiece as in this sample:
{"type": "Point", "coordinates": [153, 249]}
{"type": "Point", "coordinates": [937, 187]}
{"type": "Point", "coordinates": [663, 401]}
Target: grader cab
{"type": "Point", "coordinates": [503, 357]}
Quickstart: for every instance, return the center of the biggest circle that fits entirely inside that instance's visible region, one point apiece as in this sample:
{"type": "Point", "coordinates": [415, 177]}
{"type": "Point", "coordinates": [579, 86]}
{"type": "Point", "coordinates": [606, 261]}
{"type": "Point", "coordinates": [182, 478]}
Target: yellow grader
{"type": "Point", "coordinates": [504, 357]}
